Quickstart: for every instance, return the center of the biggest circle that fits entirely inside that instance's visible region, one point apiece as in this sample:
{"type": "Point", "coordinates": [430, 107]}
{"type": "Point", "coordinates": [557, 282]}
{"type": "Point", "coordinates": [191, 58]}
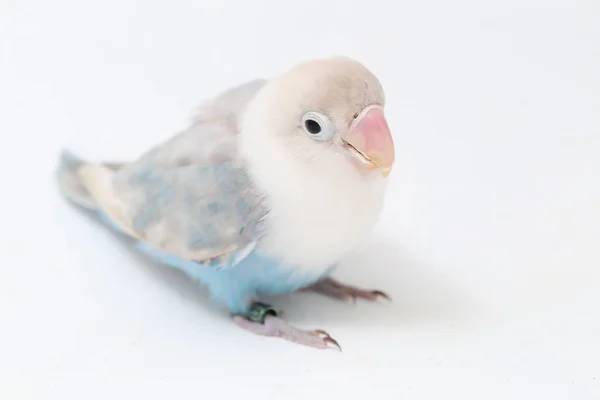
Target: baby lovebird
{"type": "Point", "coordinates": [271, 185]}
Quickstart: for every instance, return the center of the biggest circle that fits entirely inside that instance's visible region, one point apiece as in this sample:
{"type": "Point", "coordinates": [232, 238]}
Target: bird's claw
{"type": "Point", "coordinates": [379, 293]}
{"type": "Point", "coordinates": [327, 339]}
{"type": "Point", "coordinates": [275, 326]}
{"type": "Point", "coordinates": [332, 288]}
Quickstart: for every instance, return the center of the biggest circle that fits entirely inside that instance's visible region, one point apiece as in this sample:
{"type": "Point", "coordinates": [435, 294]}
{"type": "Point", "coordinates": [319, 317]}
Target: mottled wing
{"type": "Point", "coordinates": [198, 212]}
{"type": "Point", "coordinates": [188, 197]}
{"type": "Point", "coordinates": [193, 205]}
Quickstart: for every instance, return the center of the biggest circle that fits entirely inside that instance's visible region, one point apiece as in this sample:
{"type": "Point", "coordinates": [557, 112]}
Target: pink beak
{"type": "Point", "coordinates": [370, 140]}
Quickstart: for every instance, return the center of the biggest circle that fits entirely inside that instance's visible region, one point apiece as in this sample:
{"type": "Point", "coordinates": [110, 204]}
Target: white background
{"type": "Point", "coordinates": [488, 243]}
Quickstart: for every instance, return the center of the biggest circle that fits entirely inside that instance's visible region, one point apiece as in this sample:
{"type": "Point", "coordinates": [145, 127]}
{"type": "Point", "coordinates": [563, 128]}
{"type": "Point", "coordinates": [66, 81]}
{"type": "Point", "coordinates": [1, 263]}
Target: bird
{"type": "Point", "coordinates": [264, 192]}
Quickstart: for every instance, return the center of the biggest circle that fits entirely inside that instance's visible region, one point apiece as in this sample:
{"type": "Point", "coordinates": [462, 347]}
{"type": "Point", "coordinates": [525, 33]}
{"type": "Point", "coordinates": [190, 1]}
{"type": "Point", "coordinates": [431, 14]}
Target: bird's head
{"type": "Point", "coordinates": [325, 114]}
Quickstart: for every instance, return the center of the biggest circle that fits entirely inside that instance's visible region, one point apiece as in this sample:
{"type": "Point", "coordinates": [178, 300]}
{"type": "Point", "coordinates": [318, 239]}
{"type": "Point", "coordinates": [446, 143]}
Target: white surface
{"type": "Point", "coordinates": [487, 244]}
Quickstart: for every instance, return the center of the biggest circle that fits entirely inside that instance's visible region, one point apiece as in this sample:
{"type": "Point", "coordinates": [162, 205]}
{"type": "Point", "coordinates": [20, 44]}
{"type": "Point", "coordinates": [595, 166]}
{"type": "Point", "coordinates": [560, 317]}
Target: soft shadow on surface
{"type": "Point", "coordinates": [418, 294]}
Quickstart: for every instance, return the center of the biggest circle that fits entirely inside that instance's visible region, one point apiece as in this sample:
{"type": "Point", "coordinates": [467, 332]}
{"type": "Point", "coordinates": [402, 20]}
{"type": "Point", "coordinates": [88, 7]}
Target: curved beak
{"type": "Point", "coordinates": [370, 140]}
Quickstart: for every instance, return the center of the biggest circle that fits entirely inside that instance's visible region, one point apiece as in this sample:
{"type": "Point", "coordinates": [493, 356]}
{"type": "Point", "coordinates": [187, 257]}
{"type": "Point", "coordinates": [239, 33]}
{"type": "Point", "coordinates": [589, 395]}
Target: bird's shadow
{"type": "Point", "coordinates": [417, 294]}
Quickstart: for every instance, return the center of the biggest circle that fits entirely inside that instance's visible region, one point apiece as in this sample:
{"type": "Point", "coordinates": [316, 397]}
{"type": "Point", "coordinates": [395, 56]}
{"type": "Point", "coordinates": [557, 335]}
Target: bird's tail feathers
{"type": "Point", "coordinates": [70, 182]}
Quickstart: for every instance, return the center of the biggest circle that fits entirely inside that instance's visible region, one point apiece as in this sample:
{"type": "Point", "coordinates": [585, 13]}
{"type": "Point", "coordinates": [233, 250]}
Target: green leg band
{"type": "Point", "coordinates": [259, 311]}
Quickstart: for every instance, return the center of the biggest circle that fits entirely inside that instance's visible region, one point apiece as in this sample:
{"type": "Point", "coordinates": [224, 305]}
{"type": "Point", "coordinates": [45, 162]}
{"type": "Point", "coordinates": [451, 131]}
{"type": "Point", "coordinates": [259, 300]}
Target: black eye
{"type": "Point", "coordinates": [317, 126]}
{"type": "Point", "coordinates": [312, 126]}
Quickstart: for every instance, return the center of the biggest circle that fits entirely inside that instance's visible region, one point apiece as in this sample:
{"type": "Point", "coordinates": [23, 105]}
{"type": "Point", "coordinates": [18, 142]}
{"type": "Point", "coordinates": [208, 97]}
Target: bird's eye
{"type": "Point", "coordinates": [312, 126]}
{"type": "Point", "coordinates": [317, 126]}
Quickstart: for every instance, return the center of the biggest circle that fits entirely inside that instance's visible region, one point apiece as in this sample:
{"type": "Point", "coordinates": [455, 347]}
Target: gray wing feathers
{"type": "Point", "coordinates": [190, 196]}
{"type": "Point", "coordinates": [197, 212]}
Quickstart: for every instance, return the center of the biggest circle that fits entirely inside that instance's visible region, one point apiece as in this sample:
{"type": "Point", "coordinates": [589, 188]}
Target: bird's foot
{"type": "Point", "coordinates": [263, 320]}
{"type": "Point", "coordinates": [332, 288]}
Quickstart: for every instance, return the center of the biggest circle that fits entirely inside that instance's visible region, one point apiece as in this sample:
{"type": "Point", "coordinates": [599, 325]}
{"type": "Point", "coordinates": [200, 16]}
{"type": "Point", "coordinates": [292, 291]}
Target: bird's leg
{"type": "Point", "coordinates": [263, 320]}
{"type": "Point", "coordinates": [332, 288]}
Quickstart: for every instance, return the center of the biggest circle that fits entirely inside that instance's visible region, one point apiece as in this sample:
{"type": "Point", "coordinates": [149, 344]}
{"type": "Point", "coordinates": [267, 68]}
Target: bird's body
{"type": "Point", "coordinates": [249, 200]}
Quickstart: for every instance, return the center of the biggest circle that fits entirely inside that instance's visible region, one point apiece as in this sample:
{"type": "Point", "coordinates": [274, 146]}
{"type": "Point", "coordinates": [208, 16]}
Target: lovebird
{"type": "Point", "coordinates": [269, 186]}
